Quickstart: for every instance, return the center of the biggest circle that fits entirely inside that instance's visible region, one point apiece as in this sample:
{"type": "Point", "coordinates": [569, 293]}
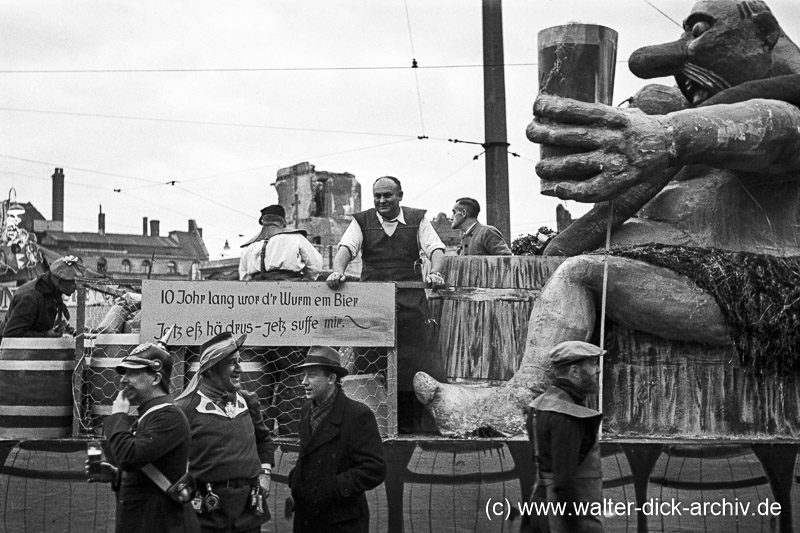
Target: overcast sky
{"type": "Point", "coordinates": [217, 96]}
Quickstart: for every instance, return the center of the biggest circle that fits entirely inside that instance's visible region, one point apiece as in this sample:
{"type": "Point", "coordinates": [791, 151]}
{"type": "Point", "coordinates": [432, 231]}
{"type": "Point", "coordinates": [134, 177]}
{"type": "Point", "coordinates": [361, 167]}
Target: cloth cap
{"type": "Point", "coordinates": [570, 351]}
{"type": "Point", "coordinates": [152, 356]}
{"type": "Point", "coordinates": [218, 348]}
{"type": "Point", "coordinates": [212, 352]}
{"type": "Point", "coordinates": [275, 209]}
{"type": "Point", "coordinates": [324, 356]}
{"type": "Point", "coordinates": [68, 268]}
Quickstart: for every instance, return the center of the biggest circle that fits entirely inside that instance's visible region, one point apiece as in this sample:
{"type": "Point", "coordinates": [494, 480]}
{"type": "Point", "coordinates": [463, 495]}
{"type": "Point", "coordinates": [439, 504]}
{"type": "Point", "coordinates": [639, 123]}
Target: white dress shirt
{"type": "Point", "coordinates": [427, 238]}
{"type": "Point", "coordinates": [285, 251]}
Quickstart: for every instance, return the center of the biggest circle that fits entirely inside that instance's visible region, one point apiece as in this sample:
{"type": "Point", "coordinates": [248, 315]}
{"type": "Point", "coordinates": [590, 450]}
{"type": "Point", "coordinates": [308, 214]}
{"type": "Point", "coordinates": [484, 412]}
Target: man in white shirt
{"type": "Point", "coordinates": [280, 254]}
{"type": "Point", "coordinates": [277, 253]}
{"type": "Point", "coordinates": [390, 239]}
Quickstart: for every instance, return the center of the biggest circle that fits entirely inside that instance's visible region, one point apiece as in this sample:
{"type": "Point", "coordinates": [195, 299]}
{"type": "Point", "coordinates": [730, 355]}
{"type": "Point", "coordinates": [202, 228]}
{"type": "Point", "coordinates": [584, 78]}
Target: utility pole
{"type": "Point", "coordinates": [494, 110]}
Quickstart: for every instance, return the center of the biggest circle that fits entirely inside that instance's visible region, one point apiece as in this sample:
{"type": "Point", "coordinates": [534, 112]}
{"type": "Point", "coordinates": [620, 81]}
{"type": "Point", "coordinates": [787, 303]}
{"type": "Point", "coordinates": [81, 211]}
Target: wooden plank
{"type": "Point", "coordinates": [478, 294]}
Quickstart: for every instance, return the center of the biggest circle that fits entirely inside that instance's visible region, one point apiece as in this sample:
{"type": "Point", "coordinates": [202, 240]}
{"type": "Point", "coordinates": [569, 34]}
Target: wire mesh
{"type": "Point", "coordinates": [267, 371]}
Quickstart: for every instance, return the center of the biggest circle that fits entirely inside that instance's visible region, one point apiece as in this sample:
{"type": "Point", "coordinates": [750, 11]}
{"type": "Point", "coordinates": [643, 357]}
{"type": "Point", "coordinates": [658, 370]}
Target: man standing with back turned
{"type": "Point", "coordinates": [564, 435]}
{"type": "Point", "coordinates": [390, 239]}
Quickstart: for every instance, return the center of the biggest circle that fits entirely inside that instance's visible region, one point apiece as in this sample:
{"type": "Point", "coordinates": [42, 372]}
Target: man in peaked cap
{"type": "Point", "coordinates": [277, 253]}
{"type": "Point", "coordinates": [341, 454]}
{"type": "Point", "coordinates": [158, 437]}
{"type": "Point", "coordinates": [563, 431]}
{"type": "Point", "coordinates": [37, 308]}
{"type": "Point", "coordinates": [232, 451]}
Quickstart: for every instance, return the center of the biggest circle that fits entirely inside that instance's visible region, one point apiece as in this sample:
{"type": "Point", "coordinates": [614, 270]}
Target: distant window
{"type": "Point", "coordinates": [317, 239]}
{"type": "Point", "coordinates": [101, 265]}
{"type": "Point", "coordinates": [126, 266]}
{"type": "Point", "coordinates": [145, 266]}
{"type": "Point", "coordinates": [172, 267]}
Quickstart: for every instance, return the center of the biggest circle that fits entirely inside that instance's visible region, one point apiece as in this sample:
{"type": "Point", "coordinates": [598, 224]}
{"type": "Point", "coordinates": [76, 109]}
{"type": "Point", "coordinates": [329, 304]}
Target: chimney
{"type": "Point", "coordinates": [154, 228]}
{"type": "Point", "coordinates": [58, 195]}
{"type": "Point", "coordinates": [101, 222]}
{"type": "Point", "coordinates": [193, 227]}
{"type": "Point", "coordinates": [144, 226]}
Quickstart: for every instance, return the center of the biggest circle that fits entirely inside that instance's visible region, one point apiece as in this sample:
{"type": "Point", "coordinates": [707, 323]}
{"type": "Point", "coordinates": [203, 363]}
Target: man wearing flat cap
{"type": "Point", "coordinates": [341, 454]}
{"type": "Point", "coordinates": [277, 253]}
{"type": "Point", "coordinates": [232, 451]}
{"type": "Point", "coordinates": [157, 439]}
{"type": "Point", "coordinates": [37, 309]}
{"type": "Point", "coordinates": [563, 431]}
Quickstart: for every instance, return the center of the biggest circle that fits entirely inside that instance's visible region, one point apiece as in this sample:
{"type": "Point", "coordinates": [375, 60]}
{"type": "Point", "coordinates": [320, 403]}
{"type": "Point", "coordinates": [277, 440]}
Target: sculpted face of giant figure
{"type": "Point", "coordinates": [691, 177]}
{"type": "Point", "coordinates": [725, 43]}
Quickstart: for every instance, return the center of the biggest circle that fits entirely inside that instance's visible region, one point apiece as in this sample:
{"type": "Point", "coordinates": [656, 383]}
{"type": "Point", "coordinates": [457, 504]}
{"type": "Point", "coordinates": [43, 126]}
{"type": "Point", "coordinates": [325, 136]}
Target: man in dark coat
{"type": "Point", "coordinates": [37, 309]}
{"type": "Point", "coordinates": [159, 437]}
{"type": "Point", "coordinates": [564, 435]}
{"type": "Point", "coordinates": [341, 454]}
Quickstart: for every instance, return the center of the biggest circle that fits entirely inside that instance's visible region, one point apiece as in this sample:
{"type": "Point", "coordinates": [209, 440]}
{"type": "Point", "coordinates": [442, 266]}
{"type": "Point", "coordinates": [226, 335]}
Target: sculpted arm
{"type": "Point", "coordinates": [622, 148]}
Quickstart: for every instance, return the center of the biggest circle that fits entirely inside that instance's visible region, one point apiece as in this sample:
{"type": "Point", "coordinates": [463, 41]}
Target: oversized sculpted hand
{"type": "Point", "coordinates": [620, 148]}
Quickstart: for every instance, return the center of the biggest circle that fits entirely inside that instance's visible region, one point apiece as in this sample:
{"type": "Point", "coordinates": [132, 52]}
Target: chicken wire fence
{"type": "Point", "coordinates": [109, 316]}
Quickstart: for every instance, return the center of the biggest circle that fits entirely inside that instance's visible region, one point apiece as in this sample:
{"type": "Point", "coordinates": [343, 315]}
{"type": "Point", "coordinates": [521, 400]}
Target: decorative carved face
{"type": "Point", "coordinates": [725, 43]}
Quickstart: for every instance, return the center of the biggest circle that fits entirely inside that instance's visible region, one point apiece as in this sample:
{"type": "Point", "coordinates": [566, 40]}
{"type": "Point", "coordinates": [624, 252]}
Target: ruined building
{"type": "Point", "coordinates": [318, 201]}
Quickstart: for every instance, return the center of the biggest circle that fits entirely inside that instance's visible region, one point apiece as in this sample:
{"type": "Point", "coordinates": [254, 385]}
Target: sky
{"type": "Point", "coordinates": [186, 109]}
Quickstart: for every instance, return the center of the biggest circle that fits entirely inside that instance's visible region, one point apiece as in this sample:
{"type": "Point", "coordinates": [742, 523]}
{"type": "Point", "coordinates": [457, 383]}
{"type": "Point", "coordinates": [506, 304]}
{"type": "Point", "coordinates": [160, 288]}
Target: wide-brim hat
{"type": "Point", "coordinates": [150, 356]}
{"type": "Point", "coordinates": [324, 356]}
{"type": "Point", "coordinates": [568, 352]}
{"type": "Point", "coordinates": [217, 349]}
{"type": "Point", "coordinates": [68, 268]}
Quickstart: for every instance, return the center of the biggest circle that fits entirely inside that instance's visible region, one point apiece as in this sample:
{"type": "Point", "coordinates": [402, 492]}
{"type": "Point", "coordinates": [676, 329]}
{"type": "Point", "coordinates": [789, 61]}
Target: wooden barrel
{"type": "Point", "coordinates": [370, 389]}
{"type": "Point", "coordinates": [447, 485]}
{"type": "Point", "coordinates": [710, 473]}
{"type": "Point", "coordinates": [43, 488]}
{"type": "Point", "coordinates": [483, 318]}
{"type": "Point", "coordinates": [654, 387]}
{"type": "Point", "coordinates": [36, 387]}
{"type": "Point", "coordinates": [107, 350]}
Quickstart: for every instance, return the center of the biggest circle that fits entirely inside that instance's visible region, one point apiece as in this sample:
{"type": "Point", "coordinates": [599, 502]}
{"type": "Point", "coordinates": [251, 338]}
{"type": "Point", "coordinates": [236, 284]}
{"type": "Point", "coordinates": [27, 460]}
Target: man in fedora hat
{"type": "Point", "coordinates": [277, 253]}
{"type": "Point", "coordinates": [37, 308]}
{"type": "Point", "coordinates": [563, 431]}
{"type": "Point", "coordinates": [341, 454]}
{"type": "Point", "coordinates": [158, 437]}
{"type": "Point", "coordinates": [232, 450]}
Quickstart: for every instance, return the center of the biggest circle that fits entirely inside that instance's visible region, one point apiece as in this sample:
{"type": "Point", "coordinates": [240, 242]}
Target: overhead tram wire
{"type": "Point", "coordinates": [415, 67]}
{"type": "Point", "coordinates": [267, 69]}
{"type": "Point", "coordinates": [204, 123]}
{"type": "Point", "coordinates": [436, 184]}
{"type": "Point", "coordinates": [678, 24]}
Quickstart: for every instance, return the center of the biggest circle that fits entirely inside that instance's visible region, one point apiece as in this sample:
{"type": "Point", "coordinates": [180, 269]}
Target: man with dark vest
{"type": "Point", "coordinates": [390, 239]}
{"type": "Point", "coordinates": [564, 436]}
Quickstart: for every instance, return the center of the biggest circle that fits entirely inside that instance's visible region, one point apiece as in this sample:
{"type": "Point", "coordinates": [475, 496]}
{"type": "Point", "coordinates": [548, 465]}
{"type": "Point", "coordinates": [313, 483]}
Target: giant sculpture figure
{"type": "Point", "coordinates": [718, 175]}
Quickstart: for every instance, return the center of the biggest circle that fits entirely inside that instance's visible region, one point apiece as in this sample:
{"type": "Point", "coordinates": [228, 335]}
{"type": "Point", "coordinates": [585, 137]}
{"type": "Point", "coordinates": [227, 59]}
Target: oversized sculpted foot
{"type": "Point", "coordinates": [639, 296]}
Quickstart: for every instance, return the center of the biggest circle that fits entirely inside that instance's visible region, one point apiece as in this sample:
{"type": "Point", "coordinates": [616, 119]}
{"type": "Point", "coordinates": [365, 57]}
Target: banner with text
{"type": "Point", "coordinates": [272, 313]}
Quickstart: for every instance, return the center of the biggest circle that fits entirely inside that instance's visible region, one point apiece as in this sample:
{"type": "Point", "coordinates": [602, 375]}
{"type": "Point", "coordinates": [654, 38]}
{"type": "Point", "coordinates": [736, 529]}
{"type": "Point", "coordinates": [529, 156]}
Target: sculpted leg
{"type": "Point", "coordinates": [640, 296]}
